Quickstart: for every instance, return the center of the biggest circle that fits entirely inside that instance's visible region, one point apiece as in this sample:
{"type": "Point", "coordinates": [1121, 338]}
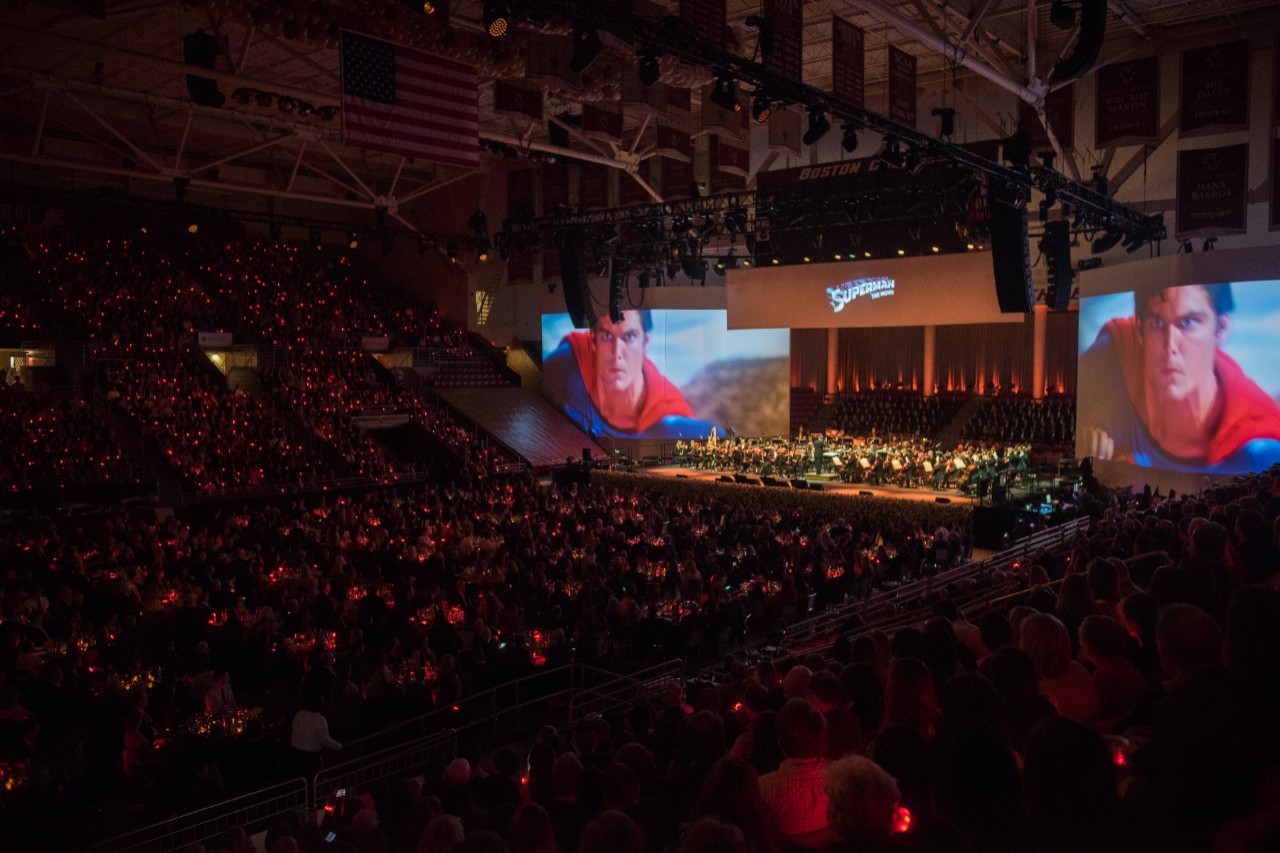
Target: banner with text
{"type": "Point", "coordinates": [1215, 88]}
{"type": "Point", "coordinates": [1127, 109]}
{"type": "Point", "coordinates": [916, 291]}
{"type": "Point", "coordinates": [786, 17]}
{"type": "Point", "coordinates": [1213, 189]}
{"type": "Point", "coordinates": [848, 57]}
{"type": "Point", "coordinates": [902, 86]}
{"type": "Point", "coordinates": [1059, 110]}
{"type": "Point", "coordinates": [707, 17]}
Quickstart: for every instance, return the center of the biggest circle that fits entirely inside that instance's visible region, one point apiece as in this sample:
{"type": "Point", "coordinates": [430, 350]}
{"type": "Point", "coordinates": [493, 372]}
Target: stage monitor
{"type": "Point", "coordinates": [668, 374]}
{"type": "Point", "coordinates": [1180, 379]}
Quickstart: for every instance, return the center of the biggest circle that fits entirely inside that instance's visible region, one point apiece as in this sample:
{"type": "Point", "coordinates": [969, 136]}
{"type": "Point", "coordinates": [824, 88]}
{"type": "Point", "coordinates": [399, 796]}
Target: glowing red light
{"type": "Point", "coordinates": [901, 820]}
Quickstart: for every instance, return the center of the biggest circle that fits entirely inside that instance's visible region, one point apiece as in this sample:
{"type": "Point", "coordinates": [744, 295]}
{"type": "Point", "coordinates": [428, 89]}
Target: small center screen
{"type": "Point", "coordinates": [1182, 378]}
{"type": "Point", "coordinates": [668, 374]}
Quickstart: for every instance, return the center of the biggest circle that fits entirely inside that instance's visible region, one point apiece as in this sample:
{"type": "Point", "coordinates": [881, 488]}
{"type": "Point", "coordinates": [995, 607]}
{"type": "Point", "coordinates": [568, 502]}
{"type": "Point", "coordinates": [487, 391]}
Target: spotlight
{"type": "Point", "coordinates": [849, 142]}
{"type": "Point", "coordinates": [760, 109]}
{"type": "Point", "coordinates": [477, 223]}
{"type": "Point", "coordinates": [497, 18]}
{"type": "Point", "coordinates": [1208, 244]}
{"type": "Point", "coordinates": [1017, 149]}
{"type": "Point", "coordinates": [819, 124]}
{"type": "Point", "coordinates": [586, 47]}
{"type": "Point", "coordinates": [353, 240]}
{"type": "Point", "coordinates": [724, 94]}
{"type": "Point", "coordinates": [451, 249]}
{"type": "Point", "coordinates": [892, 153]}
{"type": "Point", "coordinates": [193, 228]}
{"type": "Point", "coordinates": [947, 115]}
{"type": "Point", "coordinates": [648, 70]}
{"type": "Point", "coordinates": [1186, 247]}
{"type": "Point", "coordinates": [483, 255]}
{"type": "Point", "coordinates": [428, 8]}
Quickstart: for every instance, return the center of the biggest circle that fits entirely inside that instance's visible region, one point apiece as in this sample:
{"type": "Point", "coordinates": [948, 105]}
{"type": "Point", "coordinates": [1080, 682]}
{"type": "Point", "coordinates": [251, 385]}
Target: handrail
{"type": "Point", "coordinates": [405, 758]}
{"type": "Point", "coordinates": [624, 690]}
{"type": "Point", "coordinates": [251, 811]}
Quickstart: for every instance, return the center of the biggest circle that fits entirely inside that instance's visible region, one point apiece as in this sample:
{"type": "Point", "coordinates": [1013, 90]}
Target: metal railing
{"type": "Point", "coordinates": [625, 690]}
{"type": "Point", "coordinates": [403, 760]}
{"type": "Point", "coordinates": [253, 811]}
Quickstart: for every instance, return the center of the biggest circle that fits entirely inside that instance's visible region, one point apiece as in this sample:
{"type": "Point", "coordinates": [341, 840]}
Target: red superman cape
{"type": "Point", "coordinates": [661, 398]}
{"type": "Point", "coordinates": [1248, 412]}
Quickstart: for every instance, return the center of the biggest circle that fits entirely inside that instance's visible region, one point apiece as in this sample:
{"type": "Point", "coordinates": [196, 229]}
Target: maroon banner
{"type": "Point", "coordinates": [730, 158]}
{"type": "Point", "coordinates": [593, 186]}
{"type": "Point", "coordinates": [519, 195]}
{"type": "Point", "coordinates": [729, 166]}
{"type": "Point", "coordinates": [555, 188]}
{"type": "Point", "coordinates": [1128, 103]}
{"type": "Point", "coordinates": [676, 177]}
{"type": "Point", "coordinates": [1213, 188]}
{"type": "Point", "coordinates": [673, 143]}
{"type": "Point", "coordinates": [708, 20]}
{"type": "Point", "coordinates": [902, 86]}
{"type": "Point", "coordinates": [602, 122]}
{"type": "Point", "coordinates": [1215, 88]}
{"type": "Point", "coordinates": [629, 189]}
{"type": "Point", "coordinates": [787, 19]}
{"type": "Point", "coordinates": [1059, 109]}
{"type": "Point", "coordinates": [639, 99]}
{"type": "Point", "coordinates": [1275, 185]}
{"type": "Point", "coordinates": [513, 98]}
{"type": "Point", "coordinates": [848, 58]}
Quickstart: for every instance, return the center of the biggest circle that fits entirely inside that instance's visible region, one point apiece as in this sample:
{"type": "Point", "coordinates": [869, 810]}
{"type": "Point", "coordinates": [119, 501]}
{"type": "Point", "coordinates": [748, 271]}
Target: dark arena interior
{"type": "Point", "coordinates": [472, 426]}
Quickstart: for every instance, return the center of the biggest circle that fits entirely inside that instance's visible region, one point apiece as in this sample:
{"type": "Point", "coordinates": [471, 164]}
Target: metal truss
{"type": "Point", "coordinates": [673, 37]}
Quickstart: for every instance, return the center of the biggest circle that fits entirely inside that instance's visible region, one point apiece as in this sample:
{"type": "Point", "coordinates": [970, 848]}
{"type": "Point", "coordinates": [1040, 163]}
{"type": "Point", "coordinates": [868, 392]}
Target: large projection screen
{"type": "Point", "coordinates": [668, 374]}
{"type": "Point", "coordinates": [1179, 377]}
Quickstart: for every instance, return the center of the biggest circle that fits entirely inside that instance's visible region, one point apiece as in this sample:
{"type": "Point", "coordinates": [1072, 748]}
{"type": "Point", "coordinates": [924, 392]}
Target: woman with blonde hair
{"type": "Point", "coordinates": [1064, 681]}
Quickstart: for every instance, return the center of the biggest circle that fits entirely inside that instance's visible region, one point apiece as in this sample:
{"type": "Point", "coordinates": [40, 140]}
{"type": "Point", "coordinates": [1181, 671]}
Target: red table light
{"type": "Point", "coordinates": [901, 820]}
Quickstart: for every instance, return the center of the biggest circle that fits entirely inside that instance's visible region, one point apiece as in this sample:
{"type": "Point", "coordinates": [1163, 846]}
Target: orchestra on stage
{"type": "Point", "coordinates": [968, 468]}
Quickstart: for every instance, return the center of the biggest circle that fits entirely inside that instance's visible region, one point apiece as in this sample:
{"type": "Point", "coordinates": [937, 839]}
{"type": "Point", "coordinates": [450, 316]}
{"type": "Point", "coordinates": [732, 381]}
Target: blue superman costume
{"type": "Point", "coordinates": [569, 377]}
{"type": "Point", "coordinates": [1246, 437]}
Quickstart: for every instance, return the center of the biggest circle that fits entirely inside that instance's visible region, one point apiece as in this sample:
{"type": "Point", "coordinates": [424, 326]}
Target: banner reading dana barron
{"type": "Point", "coordinates": [939, 290]}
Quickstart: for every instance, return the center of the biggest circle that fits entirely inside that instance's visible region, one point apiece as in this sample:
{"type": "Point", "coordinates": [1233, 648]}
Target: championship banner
{"type": "Point", "coordinates": [784, 131]}
{"type": "Point", "coordinates": [1215, 88]}
{"type": "Point", "coordinates": [640, 99]}
{"type": "Point", "coordinates": [1213, 189]}
{"type": "Point", "coordinates": [673, 143]}
{"type": "Point", "coordinates": [787, 19]}
{"type": "Point", "coordinates": [902, 86]}
{"type": "Point", "coordinates": [730, 166]}
{"type": "Point", "coordinates": [602, 122]}
{"type": "Point", "coordinates": [721, 122]}
{"type": "Point", "coordinates": [1275, 185]}
{"type": "Point", "coordinates": [707, 17]}
{"type": "Point", "coordinates": [1059, 109]}
{"type": "Point", "coordinates": [676, 177]}
{"type": "Point", "coordinates": [547, 61]}
{"type": "Point", "coordinates": [519, 194]}
{"type": "Point", "coordinates": [593, 186]}
{"type": "Point", "coordinates": [520, 100]}
{"type": "Point", "coordinates": [848, 59]}
{"type": "Point", "coordinates": [1127, 109]}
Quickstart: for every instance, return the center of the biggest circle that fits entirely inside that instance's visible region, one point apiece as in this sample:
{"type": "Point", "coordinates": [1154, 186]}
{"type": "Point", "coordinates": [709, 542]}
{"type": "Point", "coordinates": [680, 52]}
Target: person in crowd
{"type": "Point", "coordinates": [793, 793]}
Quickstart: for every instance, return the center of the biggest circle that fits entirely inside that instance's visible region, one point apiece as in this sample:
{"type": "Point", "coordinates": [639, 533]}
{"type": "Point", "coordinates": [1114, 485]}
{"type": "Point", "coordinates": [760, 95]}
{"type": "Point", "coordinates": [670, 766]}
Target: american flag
{"type": "Point", "coordinates": [410, 102]}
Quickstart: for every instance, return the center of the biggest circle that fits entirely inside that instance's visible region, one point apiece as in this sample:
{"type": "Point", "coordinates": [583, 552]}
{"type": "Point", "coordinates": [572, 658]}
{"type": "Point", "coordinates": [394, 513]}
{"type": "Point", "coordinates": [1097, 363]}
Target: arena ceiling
{"type": "Point", "coordinates": [93, 94]}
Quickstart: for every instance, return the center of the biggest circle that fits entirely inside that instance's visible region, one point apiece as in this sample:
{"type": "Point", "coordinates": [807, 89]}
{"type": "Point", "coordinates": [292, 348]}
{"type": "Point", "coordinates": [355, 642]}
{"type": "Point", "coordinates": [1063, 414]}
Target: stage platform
{"type": "Point", "coordinates": [817, 484]}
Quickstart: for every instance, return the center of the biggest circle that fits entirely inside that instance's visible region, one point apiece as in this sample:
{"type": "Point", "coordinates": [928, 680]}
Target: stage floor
{"type": "Point", "coordinates": [834, 487]}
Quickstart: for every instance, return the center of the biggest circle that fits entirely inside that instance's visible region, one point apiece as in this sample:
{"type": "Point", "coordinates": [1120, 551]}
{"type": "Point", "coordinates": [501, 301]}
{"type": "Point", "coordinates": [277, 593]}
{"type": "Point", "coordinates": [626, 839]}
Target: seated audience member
{"type": "Point", "coordinates": [1063, 680]}
{"type": "Point", "coordinates": [612, 832]}
{"type": "Point", "coordinates": [977, 792]}
{"type": "Point", "coordinates": [709, 835]}
{"type": "Point", "coordinates": [862, 804]}
{"type": "Point", "coordinates": [909, 698]}
{"type": "Point", "coordinates": [731, 793]}
{"type": "Point", "coordinates": [794, 792]}
{"type": "Point", "coordinates": [844, 730]}
{"type": "Point", "coordinates": [1118, 682]}
{"type": "Point", "coordinates": [1070, 780]}
{"type": "Point", "coordinates": [309, 736]}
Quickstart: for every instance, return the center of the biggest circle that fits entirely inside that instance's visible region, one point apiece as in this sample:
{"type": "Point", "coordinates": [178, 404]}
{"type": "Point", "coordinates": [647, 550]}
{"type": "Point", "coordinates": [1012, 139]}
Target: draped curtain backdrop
{"type": "Point", "coordinates": [974, 358]}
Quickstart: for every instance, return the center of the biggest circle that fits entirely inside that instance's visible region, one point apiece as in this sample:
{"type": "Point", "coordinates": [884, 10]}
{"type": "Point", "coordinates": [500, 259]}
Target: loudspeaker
{"type": "Point", "coordinates": [573, 269]}
{"type": "Point", "coordinates": [1055, 245]}
{"type": "Point", "coordinates": [866, 494]}
{"type": "Point", "coordinates": [1093, 27]}
{"type": "Point", "coordinates": [799, 484]}
{"type": "Point", "coordinates": [725, 478]}
{"type": "Point", "coordinates": [942, 500]}
{"type": "Point", "coordinates": [1010, 253]}
{"type": "Point", "coordinates": [617, 289]}
{"type": "Point", "coordinates": [815, 487]}
{"type": "Point", "coordinates": [201, 49]}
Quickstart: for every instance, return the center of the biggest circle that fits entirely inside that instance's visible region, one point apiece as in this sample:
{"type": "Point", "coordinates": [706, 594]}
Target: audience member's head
{"type": "Point", "coordinates": [802, 730]}
{"type": "Point", "coordinates": [1046, 641]}
{"type": "Point", "coordinates": [862, 800]}
{"type": "Point", "coordinates": [1188, 640]}
{"type": "Point", "coordinates": [612, 832]}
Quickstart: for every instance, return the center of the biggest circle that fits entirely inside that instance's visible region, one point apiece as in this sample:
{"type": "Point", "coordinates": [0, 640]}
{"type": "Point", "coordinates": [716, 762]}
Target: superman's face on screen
{"type": "Point", "coordinates": [1180, 334]}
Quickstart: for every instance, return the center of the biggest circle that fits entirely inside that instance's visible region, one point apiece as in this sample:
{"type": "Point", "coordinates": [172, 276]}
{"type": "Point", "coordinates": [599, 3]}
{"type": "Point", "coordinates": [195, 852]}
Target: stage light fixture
{"type": "Point", "coordinates": [849, 141]}
{"type": "Point", "coordinates": [761, 108]}
{"type": "Point", "coordinates": [193, 228]}
{"type": "Point", "coordinates": [947, 121]}
{"type": "Point", "coordinates": [819, 124]}
{"type": "Point", "coordinates": [353, 240]}
{"type": "Point", "coordinates": [648, 69]}
{"type": "Point", "coordinates": [586, 47]}
{"type": "Point", "coordinates": [428, 8]}
{"type": "Point", "coordinates": [451, 250]}
{"type": "Point", "coordinates": [1208, 244]}
{"type": "Point", "coordinates": [497, 18]}
{"type": "Point", "coordinates": [724, 94]}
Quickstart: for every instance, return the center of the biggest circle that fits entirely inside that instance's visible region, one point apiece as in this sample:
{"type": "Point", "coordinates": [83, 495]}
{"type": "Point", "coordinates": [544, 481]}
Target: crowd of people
{"type": "Point", "coordinates": [1125, 701]}
{"type": "Point", "coordinates": [46, 439]}
{"type": "Point", "coordinates": [1049, 422]}
{"type": "Point", "coordinates": [895, 414]}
